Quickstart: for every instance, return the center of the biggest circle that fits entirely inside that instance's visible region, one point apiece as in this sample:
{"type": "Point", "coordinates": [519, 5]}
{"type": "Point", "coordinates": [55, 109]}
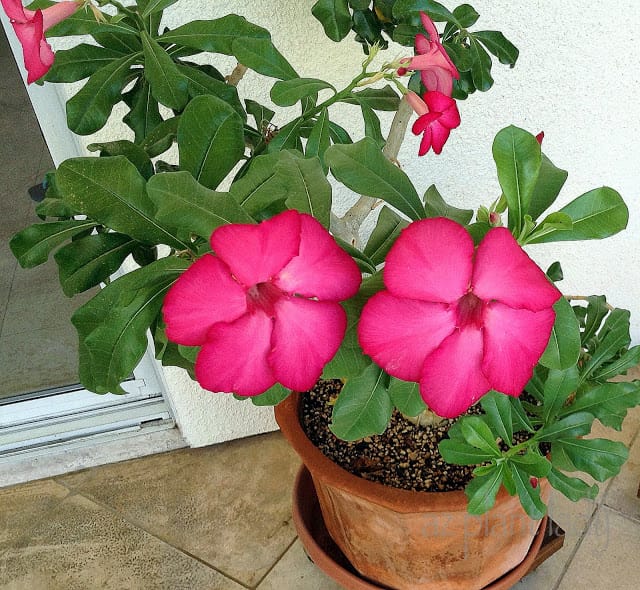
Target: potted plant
{"type": "Point", "coordinates": [248, 279]}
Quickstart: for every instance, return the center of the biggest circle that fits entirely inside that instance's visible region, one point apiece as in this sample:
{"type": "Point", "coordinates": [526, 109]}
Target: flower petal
{"type": "Point", "coordinates": [204, 295]}
{"type": "Point", "coordinates": [431, 260]}
{"type": "Point", "coordinates": [256, 253]}
{"type": "Point", "coordinates": [452, 378]}
{"type": "Point", "coordinates": [57, 12]}
{"type": "Point", "coordinates": [306, 336]}
{"type": "Point", "coordinates": [437, 79]}
{"type": "Point", "coordinates": [439, 136]}
{"type": "Point", "coordinates": [15, 11]}
{"type": "Point", "coordinates": [503, 271]}
{"type": "Point", "coordinates": [322, 269]}
{"type": "Point", "coordinates": [234, 357]}
{"type": "Point", "coordinates": [398, 334]}
{"type": "Point", "coordinates": [37, 53]}
{"type": "Point", "coordinates": [514, 340]}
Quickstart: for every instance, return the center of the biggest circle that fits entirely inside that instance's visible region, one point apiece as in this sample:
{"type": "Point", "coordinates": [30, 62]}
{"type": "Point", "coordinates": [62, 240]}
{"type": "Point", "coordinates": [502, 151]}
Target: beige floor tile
{"type": "Point", "coordinates": [296, 571]}
{"type": "Point", "coordinates": [21, 507]}
{"type": "Point", "coordinates": [622, 495]}
{"type": "Point", "coordinates": [229, 505]}
{"type": "Point", "coordinates": [83, 546]}
{"type": "Point", "coordinates": [608, 556]}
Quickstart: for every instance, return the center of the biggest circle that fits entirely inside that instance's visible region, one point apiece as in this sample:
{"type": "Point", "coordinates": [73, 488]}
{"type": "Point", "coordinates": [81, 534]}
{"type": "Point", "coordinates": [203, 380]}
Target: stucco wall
{"type": "Point", "coordinates": [576, 79]}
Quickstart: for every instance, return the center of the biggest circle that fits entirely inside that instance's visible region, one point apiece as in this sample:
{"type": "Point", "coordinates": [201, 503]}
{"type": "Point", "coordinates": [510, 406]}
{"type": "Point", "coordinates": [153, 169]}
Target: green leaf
{"type": "Point", "coordinates": [619, 366]}
{"type": "Point", "coordinates": [529, 496]}
{"type": "Point", "coordinates": [551, 179]}
{"type": "Point", "coordinates": [202, 83]}
{"type": "Point", "coordinates": [384, 234]}
{"type": "Point", "coordinates": [335, 17]}
{"type": "Point", "coordinates": [506, 52]}
{"type": "Point", "coordinates": [480, 66]}
{"type": "Point", "coordinates": [573, 425]}
{"type": "Point", "coordinates": [286, 93]}
{"type": "Point", "coordinates": [288, 137]}
{"type": "Point", "coordinates": [613, 337]}
{"type": "Point", "coordinates": [261, 56]}
{"type": "Point", "coordinates": [554, 272]}
{"type": "Point", "coordinates": [144, 114]}
{"type": "Point", "coordinates": [89, 109]}
{"type": "Point", "coordinates": [478, 434]}
{"type": "Point", "coordinates": [82, 22]}
{"type": "Point", "coordinates": [112, 326]}
{"type": "Point", "coordinates": [339, 134]}
{"type": "Point", "coordinates": [498, 409]}
{"type": "Point", "coordinates": [272, 397]}
{"type": "Point", "coordinates": [598, 214]}
{"type": "Point", "coordinates": [456, 452]}
{"type": "Point", "coordinates": [518, 159]}
{"type": "Point", "coordinates": [372, 125]}
{"type": "Point", "coordinates": [134, 153]}
{"type": "Point", "coordinates": [153, 6]}
{"type": "Point", "coordinates": [320, 136]}
{"type": "Point", "coordinates": [597, 310]}
{"type": "Point", "coordinates": [363, 168]}
{"type": "Point", "coordinates": [533, 464]}
{"type": "Point", "coordinates": [435, 206]}
{"type": "Point", "coordinates": [363, 407]}
{"type": "Point", "coordinates": [111, 191]}
{"type": "Point", "coordinates": [261, 114]}
{"type": "Point", "coordinates": [403, 9]}
{"type": "Point", "coordinates": [161, 137]}
{"type": "Point", "coordinates": [87, 262]}
{"type": "Point", "coordinates": [308, 189]}
{"type": "Point", "coordinates": [123, 43]}
{"type": "Point", "coordinates": [520, 419]}
{"type": "Point", "coordinates": [210, 139]}
{"type": "Point", "coordinates": [405, 396]}
{"type": "Point", "coordinates": [608, 402]}
{"type": "Point", "coordinates": [563, 349]}
{"type": "Point", "coordinates": [184, 204]}
{"type": "Point", "coordinates": [466, 15]}
{"type": "Point", "coordinates": [32, 245]}
{"type": "Point", "coordinates": [560, 384]}
{"type": "Point", "coordinates": [572, 487]}
{"type": "Point", "coordinates": [482, 490]}
{"type": "Point", "coordinates": [259, 187]}
{"type": "Point", "coordinates": [214, 36]}
{"type": "Point", "coordinates": [80, 62]}
{"type": "Point", "coordinates": [168, 86]}
{"type": "Point", "coordinates": [367, 27]}
{"type": "Point", "coordinates": [599, 457]}
{"type": "Point", "coordinates": [379, 99]}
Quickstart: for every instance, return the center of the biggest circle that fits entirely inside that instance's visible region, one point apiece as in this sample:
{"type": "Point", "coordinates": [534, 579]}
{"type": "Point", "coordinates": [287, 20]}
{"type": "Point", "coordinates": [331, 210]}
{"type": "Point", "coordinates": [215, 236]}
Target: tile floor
{"type": "Point", "coordinates": [219, 518]}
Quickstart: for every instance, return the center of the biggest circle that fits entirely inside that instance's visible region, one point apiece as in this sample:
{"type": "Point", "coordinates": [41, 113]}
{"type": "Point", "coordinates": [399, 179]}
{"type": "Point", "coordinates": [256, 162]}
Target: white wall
{"type": "Point", "coordinates": [576, 79]}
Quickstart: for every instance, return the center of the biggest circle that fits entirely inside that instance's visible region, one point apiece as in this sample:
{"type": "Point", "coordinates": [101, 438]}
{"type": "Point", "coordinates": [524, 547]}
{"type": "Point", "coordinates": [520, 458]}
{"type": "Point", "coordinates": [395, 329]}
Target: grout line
{"type": "Point", "coordinates": [276, 562]}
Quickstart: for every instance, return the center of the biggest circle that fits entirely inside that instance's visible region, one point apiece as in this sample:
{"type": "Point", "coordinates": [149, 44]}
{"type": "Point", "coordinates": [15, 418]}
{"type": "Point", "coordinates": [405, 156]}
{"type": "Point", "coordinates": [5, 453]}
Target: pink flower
{"type": "Point", "coordinates": [30, 25]}
{"type": "Point", "coordinates": [436, 68]}
{"type": "Point", "coordinates": [437, 116]}
{"type": "Point", "coordinates": [459, 320]}
{"type": "Point", "coordinates": [265, 307]}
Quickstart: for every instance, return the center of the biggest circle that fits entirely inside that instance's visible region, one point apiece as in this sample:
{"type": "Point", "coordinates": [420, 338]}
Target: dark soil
{"type": "Point", "coordinates": [405, 456]}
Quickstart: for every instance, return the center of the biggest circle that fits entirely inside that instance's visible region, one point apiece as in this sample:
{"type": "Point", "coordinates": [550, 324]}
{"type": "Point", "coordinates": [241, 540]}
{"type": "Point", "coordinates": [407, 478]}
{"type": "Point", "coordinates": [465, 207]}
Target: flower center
{"type": "Point", "coordinates": [263, 297]}
{"type": "Point", "coordinates": [470, 310]}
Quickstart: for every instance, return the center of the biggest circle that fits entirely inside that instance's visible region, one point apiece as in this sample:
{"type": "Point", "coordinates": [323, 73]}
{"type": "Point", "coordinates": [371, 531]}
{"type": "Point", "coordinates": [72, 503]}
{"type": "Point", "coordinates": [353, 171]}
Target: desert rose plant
{"type": "Point", "coordinates": [247, 278]}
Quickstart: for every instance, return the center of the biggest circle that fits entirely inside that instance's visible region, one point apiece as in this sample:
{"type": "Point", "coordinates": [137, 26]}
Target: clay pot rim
{"type": "Point", "coordinates": [406, 501]}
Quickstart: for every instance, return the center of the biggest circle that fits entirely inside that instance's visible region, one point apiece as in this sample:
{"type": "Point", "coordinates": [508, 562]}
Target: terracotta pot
{"type": "Point", "coordinates": [412, 540]}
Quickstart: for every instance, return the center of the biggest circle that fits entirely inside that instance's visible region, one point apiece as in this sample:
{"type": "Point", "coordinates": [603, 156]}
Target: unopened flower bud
{"type": "Point", "coordinates": [540, 137]}
{"type": "Point", "coordinates": [534, 482]}
{"type": "Point", "coordinates": [494, 219]}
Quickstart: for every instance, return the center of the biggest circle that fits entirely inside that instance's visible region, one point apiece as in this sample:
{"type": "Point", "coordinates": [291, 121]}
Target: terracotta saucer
{"type": "Point", "coordinates": [325, 554]}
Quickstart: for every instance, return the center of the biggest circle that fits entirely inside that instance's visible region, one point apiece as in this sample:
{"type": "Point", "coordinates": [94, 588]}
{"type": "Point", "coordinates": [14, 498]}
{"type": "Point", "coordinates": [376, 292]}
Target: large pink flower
{"type": "Point", "coordinates": [265, 307]}
{"type": "Point", "coordinates": [436, 68]}
{"type": "Point", "coordinates": [459, 320]}
{"type": "Point", "coordinates": [437, 116]}
{"type": "Point", "coordinates": [30, 26]}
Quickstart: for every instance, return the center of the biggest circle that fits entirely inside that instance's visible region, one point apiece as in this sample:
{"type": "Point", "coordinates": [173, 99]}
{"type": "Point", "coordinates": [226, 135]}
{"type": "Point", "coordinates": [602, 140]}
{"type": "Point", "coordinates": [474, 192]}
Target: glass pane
{"type": "Point", "coordinates": [38, 344]}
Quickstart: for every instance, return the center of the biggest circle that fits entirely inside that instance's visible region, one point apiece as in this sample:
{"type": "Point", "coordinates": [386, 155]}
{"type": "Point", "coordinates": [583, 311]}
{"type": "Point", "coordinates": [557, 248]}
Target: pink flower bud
{"type": "Point", "coordinates": [534, 482]}
{"type": "Point", "coordinates": [540, 137]}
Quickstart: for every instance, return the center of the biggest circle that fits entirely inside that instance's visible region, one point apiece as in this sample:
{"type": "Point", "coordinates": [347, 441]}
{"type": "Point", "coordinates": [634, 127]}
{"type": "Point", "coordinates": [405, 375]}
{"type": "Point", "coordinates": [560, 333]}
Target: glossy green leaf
{"type": "Point", "coordinates": [184, 204]}
{"type": "Point", "coordinates": [111, 191]}
{"type": "Point", "coordinates": [89, 109]}
{"type": "Point", "coordinates": [367, 27]}
{"type": "Point", "coordinates": [608, 402]}
{"type": "Point", "coordinates": [529, 496]}
{"type": "Point", "coordinates": [320, 137]}
{"type": "Point", "coordinates": [550, 181]}
{"type": "Point", "coordinates": [144, 114]}
{"type": "Point", "coordinates": [259, 187]}
{"type": "Point", "coordinates": [563, 349]}
{"type": "Point", "coordinates": [112, 326]}
{"type": "Point", "coordinates": [478, 434]}
{"type": "Point", "coordinates": [457, 452]}
{"type": "Point", "coordinates": [435, 206]}
{"type": "Point", "coordinates": [574, 425]}
{"type": "Point", "coordinates": [498, 410]}
{"type": "Point", "coordinates": [597, 311]}
{"type": "Point", "coordinates": [339, 134]}
{"type": "Point", "coordinates": [598, 214]}
{"type": "Point", "coordinates": [384, 234]}
{"type": "Point", "coordinates": [439, 13]}
{"type": "Point", "coordinates": [161, 137]}
{"type": "Point", "coordinates": [599, 457]}
{"type": "Point", "coordinates": [152, 6]}
{"type": "Point", "coordinates": [466, 15]}
{"type": "Point", "coordinates": [363, 407]}
{"type": "Point", "coordinates": [482, 490]}
{"type": "Point", "coordinates": [532, 463]}
{"type": "Point", "coordinates": [557, 388]}
{"type": "Point", "coordinates": [405, 396]}
{"type": "Point", "coordinates": [272, 397]}
{"type": "Point", "coordinates": [286, 93]}
{"type": "Point", "coordinates": [480, 66]}
{"type": "Point", "coordinates": [519, 416]}
{"type": "Point", "coordinates": [261, 114]}
{"type": "Point", "coordinates": [122, 42]}
{"type": "Point", "coordinates": [518, 159]}
{"type": "Point", "coordinates": [210, 139]}
{"type": "Point", "coordinates": [372, 125]}
{"type": "Point", "coordinates": [261, 56]}
{"type": "Point", "coordinates": [613, 337]}
{"type": "Point", "coordinates": [87, 262]}
{"type": "Point", "coordinates": [288, 137]}
{"type": "Point", "coordinates": [32, 245]}
{"type": "Point", "coordinates": [335, 17]}
{"type": "Point", "coordinates": [82, 22]}
{"type": "Point", "coordinates": [201, 83]}
{"type": "Point", "coordinates": [619, 366]}
{"type": "Point", "coordinates": [379, 99]}
{"type": "Point", "coordinates": [134, 153]}
{"type": "Point", "coordinates": [506, 52]}
{"type": "Point", "coordinates": [572, 487]}
{"type": "Point", "coordinates": [80, 62]}
{"type": "Point", "coordinates": [363, 168]}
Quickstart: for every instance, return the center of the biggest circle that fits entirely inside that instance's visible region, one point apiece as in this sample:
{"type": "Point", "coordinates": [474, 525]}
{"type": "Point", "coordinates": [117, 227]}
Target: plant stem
{"type": "Point", "coordinates": [348, 226]}
{"type": "Point", "coordinates": [234, 77]}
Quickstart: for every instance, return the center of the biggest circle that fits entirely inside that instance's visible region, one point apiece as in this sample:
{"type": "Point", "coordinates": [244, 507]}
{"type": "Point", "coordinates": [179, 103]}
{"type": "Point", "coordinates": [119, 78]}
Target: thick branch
{"type": "Point", "coordinates": [348, 226]}
{"type": "Point", "coordinates": [234, 77]}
